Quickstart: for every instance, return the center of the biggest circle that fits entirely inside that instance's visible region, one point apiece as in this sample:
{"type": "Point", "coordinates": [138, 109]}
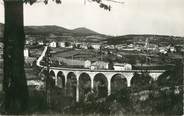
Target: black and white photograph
{"type": "Point", "coordinates": [92, 57]}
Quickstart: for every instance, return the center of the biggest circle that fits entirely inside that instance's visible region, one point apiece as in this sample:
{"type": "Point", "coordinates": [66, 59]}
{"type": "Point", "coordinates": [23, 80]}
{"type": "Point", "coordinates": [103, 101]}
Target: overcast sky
{"type": "Point", "coordinates": [165, 17]}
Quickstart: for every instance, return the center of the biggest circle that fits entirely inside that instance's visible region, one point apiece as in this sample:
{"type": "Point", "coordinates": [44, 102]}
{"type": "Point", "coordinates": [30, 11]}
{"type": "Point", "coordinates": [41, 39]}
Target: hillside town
{"type": "Point", "coordinates": [92, 57]}
{"type": "Point", "coordinates": [83, 54]}
{"type": "Point", "coordinates": [144, 65]}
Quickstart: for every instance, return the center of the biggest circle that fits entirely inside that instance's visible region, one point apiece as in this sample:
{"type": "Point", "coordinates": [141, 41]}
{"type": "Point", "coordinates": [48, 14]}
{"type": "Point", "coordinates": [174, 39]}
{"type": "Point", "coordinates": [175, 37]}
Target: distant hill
{"type": "Point", "coordinates": [45, 30]}
{"type": "Point", "coordinates": [85, 34]}
{"type": "Point", "coordinates": [85, 31]}
{"type": "Point", "coordinates": [155, 39]}
{"type": "Point", "coordinates": [60, 32]}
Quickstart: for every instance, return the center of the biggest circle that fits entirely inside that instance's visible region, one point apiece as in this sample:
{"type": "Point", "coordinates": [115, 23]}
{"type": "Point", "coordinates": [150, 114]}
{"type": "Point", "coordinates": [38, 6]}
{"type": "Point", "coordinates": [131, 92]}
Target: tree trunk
{"type": "Point", "coordinates": [14, 81]}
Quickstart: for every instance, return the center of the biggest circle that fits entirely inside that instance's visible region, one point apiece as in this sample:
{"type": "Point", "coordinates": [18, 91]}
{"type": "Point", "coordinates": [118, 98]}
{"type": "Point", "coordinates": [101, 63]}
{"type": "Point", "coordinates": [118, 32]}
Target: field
{"type": "Point", "coordinates": [80, 54]}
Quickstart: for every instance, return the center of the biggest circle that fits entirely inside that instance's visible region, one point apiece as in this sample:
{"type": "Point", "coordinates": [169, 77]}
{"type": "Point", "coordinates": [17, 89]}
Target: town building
{"type": "Point", "coordinates": [163, 50]}
{"type": "Point", "coordinates": [61, 44]}
{"type": "Point", "coordinates": [26, 52]}
{"type": "Point", "coordinates": [96, 46]}
{"type": "Point", "coordinates": [172, 49]}
{"type": "Point", "coordinates": [84, 46]}
{"type": "Point", "coordinates": [27, 42]}
{"type": "Point", "coordinates": [40, 42]}
{"type": "Point", "coordinates": [53, 44]}
{"type": "Point", "coordinates": [122, 66]}
{"type": "Point", "coordinates": [87, 64]}
{"type": "Point", "coordinates": [77, 44]}
{"type": "Point", "coordinates": [99, 65]}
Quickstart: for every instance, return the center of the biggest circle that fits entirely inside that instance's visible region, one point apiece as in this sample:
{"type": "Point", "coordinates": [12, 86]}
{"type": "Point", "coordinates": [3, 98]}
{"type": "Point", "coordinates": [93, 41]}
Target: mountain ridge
{"type": "Point", "coordinates": [155, 39]}
{"type": "Point", "coordinates": [85, 30]}
{"type": "Point", "coordinates": [54, 29]}
{"type": "Point", "coordinates": [88, 35]}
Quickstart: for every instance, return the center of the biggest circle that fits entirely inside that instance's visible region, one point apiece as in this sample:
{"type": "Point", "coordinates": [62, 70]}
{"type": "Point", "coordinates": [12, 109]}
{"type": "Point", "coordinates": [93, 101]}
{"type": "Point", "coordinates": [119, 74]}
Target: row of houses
{"type": "Point", "coordinates": [132, 47]}
{"type": "Point", "coordinates": [150, 47]}
{"type": "Point", "coordinates": [67, 44]}
{"type": "Point", "coordinates": [166, 49]}
{"type": "Point", "coordinates": [94, 65]}
{"type": "Point", "coordinates": [96, 46]}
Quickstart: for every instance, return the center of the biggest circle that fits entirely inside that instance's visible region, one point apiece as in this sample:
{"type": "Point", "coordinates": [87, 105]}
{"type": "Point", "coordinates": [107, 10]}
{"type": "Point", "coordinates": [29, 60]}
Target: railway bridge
{"type": "Point", "coordinates": [93, 78]}
{"type": "Point", "coordinates": [62, 75]}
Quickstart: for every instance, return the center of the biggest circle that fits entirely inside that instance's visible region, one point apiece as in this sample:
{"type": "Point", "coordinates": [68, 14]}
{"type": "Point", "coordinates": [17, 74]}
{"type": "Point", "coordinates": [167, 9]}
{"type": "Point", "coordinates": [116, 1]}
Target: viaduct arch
{"type": "Point", "coordinates": [95, 79]}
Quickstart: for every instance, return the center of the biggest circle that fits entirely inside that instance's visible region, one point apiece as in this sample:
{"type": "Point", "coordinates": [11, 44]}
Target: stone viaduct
{"type": "Point", "coordinates": [63, 75]}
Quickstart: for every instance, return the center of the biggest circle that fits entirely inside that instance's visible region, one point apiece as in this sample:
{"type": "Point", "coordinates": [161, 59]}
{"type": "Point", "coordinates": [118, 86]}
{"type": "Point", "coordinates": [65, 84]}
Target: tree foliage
{"type": "Point", "coordinates": [100, 2]}
{"type": "Point", "coordinates": [14, 82]}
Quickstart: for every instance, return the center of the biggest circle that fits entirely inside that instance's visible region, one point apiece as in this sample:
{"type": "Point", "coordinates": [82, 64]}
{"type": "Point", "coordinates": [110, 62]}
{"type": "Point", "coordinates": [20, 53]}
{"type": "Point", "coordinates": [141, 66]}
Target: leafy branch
{"type": "Point", "coordinates": [100, 2]}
